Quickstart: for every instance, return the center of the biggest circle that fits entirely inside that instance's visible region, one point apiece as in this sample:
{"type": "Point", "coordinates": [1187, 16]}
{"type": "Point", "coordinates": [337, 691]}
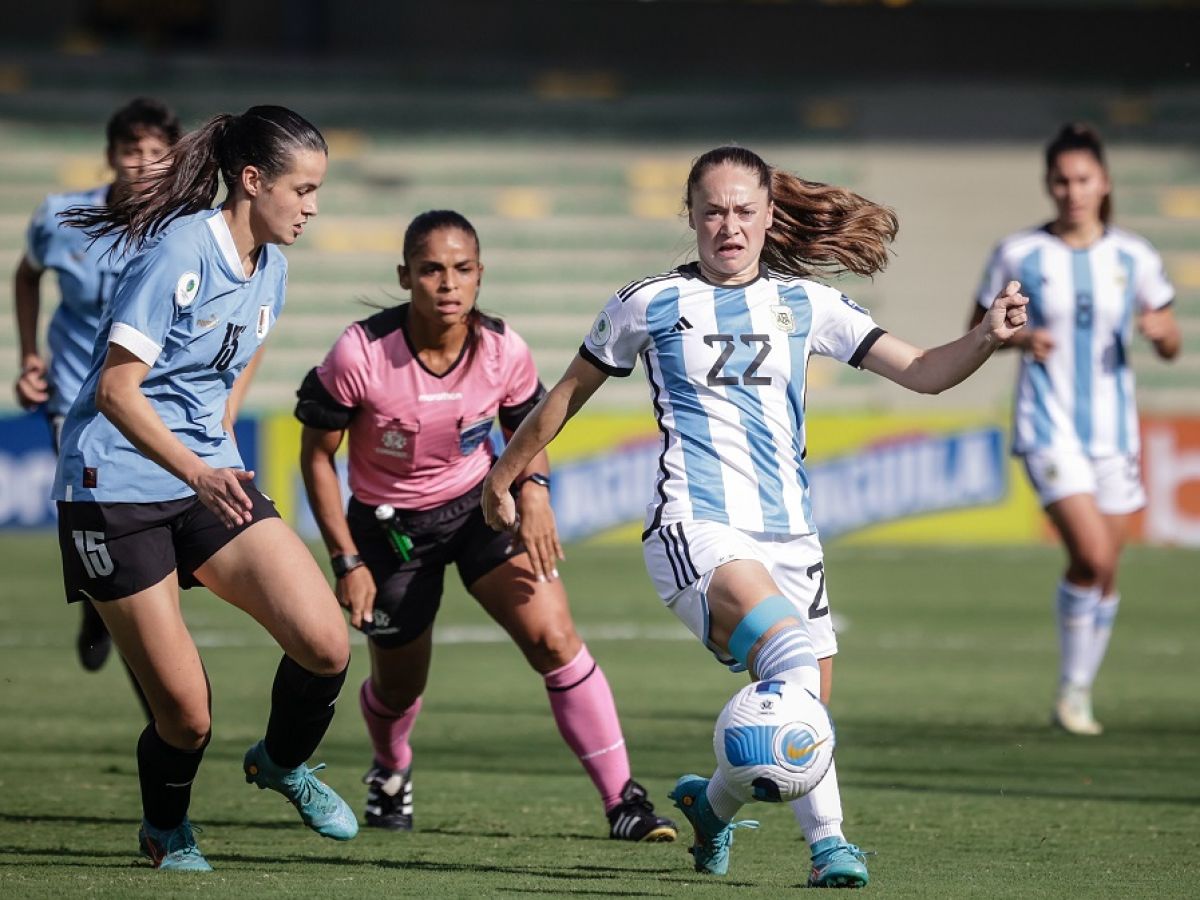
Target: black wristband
{"type": "Point", "coordinates": [344, 563]}
{"type": "Point", "coordinates": [536, 478]}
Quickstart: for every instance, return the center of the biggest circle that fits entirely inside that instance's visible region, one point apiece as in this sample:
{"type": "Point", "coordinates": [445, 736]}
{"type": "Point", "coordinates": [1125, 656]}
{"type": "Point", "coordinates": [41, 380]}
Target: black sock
{"type": "Point", "coordinates": [166, 774]}
{"type": "Point", "coordinates": [301, 710]}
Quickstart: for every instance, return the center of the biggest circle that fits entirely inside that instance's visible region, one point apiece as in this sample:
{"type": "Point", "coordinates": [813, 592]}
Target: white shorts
{"type": "Point", "coordinates": [681, 558]}
{"type": "Point", "coordinates": [1115, 481]}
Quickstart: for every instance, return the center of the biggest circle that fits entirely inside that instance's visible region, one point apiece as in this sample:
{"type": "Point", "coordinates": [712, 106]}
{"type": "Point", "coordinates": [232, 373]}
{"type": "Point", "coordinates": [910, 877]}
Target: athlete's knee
{"type": "Point", "coordinates": [771, 639]}
{"type": "Point", "coordinates": [398, 690]}
{"type": "Point", "coordinates": [1093, 564]}
{"type": "Point", "coordinates": [551, 647]}
{"type": "Point", "coordinates": [185, 728]}
{"type": "Point", "coordinates": [328, 653]}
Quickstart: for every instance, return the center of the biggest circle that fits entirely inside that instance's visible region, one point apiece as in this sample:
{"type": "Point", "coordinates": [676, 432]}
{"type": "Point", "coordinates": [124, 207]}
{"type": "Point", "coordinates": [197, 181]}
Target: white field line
{"type": "Point", "coordinates": [630, 631]}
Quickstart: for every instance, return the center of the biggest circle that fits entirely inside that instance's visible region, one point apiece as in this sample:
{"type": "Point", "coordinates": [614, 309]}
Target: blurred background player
{"type": "Point", "coordinates": [152, 491]}
{"type": "Point", "coordinates": [729, 540]}
{"type": "Point", "coordinates": [139, 135]}
{"type": "Point", "coordinates": [1075, 422]}
{"type": "Point", "coordinates": [417, 388]}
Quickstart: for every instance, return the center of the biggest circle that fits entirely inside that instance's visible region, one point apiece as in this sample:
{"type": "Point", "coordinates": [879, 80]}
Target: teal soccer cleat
{"type": "Point", "coordinates": [710, 849]}
{"type": "Point", "coordinates": [837, 864]}
{"type": "Point", "coordinates": [318, 804]}
{"type": "Point", "coordinates": [173, 849]}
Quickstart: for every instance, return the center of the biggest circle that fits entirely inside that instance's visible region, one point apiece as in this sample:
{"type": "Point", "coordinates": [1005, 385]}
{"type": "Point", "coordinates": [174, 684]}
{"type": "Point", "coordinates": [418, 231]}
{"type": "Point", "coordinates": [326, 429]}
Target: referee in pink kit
{"type": "Point", "coordinates": [417, 387]}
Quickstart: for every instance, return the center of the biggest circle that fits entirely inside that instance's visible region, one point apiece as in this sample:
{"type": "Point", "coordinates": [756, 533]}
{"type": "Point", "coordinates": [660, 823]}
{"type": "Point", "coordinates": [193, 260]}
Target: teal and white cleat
{"type": "Point", "coordinates": [714, 836]}
{"type": "Point", "coordinates": [318, 804]}
{"type": "Point", "coordinates": [172, 850]}
{"type": "Point", "coordinates": [837, 864]}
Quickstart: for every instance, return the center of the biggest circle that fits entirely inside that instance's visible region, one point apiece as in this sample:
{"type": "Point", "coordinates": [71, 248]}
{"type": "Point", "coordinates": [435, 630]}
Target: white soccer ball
{"type": "Point", "coordinates": [774, 741]}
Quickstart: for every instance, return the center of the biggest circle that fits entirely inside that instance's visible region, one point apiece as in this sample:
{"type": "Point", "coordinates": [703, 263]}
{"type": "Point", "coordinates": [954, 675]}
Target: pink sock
{"type": "Point", "coordinates": [583, 707]}
{"type": "Point", "coordinates": [389, 730]}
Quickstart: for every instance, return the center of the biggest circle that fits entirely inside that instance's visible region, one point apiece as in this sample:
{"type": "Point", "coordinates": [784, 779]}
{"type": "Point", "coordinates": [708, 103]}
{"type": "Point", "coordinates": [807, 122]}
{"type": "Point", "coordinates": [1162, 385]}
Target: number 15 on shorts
{"type": "Point", "coordinates": [94, 554]}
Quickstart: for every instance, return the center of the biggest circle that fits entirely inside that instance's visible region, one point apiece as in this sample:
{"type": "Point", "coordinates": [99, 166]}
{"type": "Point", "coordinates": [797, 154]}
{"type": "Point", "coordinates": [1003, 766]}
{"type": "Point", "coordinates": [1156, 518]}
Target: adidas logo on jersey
{"type": "Point", "coordinates": [682, 325]}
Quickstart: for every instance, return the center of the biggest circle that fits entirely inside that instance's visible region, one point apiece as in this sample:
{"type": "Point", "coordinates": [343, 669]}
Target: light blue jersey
{"type": "Point", "coordinates": [1082, 397]}
{"type": "Point", "coordinates": [87, 274]}
{"type": "Point", "coordinates": [185, 308]}
{"type": "Point", "coordinates": [727, 367]}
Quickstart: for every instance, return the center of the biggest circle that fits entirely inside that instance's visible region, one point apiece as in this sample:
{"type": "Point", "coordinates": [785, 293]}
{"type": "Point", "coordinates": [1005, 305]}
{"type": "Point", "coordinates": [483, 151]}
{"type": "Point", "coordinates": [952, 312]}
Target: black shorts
{"type": "Point", "coordinates": [113, 550]}
{"type": "Point", "coordinates": [409, 593]}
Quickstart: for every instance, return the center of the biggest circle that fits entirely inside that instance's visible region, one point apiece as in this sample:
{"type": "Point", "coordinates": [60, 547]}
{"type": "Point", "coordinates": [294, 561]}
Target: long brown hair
{"type": "Point", "coordinates": [1079, 136]}
{"type": "Point", "coordinates": [265, 137]}
{"type": "Point", "coordinates": [817, 227]}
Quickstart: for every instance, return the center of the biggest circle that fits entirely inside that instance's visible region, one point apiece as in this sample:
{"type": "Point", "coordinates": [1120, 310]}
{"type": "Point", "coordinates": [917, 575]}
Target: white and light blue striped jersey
{"type": "Point", "coordinates": [727, 368]}
{"type": "Point", "coordinates": [87, 273]}
{"type": "Point", "coordinates": [1082, 397]}
{"type": "Point", "coordinates": [185, 307]}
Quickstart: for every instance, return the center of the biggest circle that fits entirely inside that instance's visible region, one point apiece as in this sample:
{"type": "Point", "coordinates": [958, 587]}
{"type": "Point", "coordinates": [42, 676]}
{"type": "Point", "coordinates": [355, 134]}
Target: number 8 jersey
{"type": "Point", "coordinates": [727, 366]}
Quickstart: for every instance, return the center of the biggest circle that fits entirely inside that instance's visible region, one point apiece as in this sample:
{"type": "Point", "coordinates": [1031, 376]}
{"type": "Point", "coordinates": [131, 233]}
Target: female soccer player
{"type": "Point", "coordinates": [1075, 423]}
{"type": "Point", "coordinates": [417, 387]}
{"type": "Point", "coordinates": [139, 134]}
{"type": "Point", "coordinates": [152, 493]}
{"type": "Point", "coordinates": [729, 540]}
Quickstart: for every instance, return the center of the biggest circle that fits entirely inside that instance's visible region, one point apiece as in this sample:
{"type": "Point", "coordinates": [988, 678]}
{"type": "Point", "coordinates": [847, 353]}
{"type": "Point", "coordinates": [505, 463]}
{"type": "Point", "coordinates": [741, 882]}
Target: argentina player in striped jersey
{"type": "Point", "coordinates": [729, 540]}
{"type": "Point", "coordinates": [1075, 423]}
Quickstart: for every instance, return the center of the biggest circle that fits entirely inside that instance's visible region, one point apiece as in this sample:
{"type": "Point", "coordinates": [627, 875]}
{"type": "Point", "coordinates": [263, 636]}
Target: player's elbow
{"type": "Point", "coordinates": [109, 394]}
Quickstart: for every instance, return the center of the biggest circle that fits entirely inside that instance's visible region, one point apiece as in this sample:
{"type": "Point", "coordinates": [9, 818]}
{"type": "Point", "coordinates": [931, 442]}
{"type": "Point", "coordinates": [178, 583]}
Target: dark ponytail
{"type": "Point", "coordinates": [266, 137]}
{"type": "Point", "coordinates": [1078, 136]}
{"type": "Point", "coordinates": [817, 227]}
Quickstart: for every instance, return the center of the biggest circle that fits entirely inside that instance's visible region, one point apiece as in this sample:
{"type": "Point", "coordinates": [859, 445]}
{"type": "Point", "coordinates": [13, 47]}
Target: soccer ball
{"type": "Point", "coordinates": [774, 741]}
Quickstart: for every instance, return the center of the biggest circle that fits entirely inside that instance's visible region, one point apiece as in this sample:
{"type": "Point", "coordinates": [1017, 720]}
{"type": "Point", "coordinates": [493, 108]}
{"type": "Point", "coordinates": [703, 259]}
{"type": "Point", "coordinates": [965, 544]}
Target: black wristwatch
{"type": "Point", "coordinates": [536, 478]}
{"type": "Point", "coordinates": [344, 563]}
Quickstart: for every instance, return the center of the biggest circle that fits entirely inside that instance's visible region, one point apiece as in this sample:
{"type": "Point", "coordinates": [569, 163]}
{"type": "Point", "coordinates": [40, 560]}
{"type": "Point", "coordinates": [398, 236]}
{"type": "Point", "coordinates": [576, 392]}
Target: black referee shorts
{"type": "Point", "coordinates": [410, 593]}
{"type": "Point", "coordinates": [113, 550]}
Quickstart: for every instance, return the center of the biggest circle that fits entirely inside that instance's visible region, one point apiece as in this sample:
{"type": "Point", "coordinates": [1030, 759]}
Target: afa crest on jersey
{"type": "Point", "coordinates": [784, 319]}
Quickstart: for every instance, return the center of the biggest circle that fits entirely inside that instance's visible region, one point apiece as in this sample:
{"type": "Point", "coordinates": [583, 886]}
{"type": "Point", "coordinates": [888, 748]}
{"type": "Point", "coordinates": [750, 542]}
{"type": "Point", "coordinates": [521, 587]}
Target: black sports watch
{"type": "Point", "coordinates": [537, 478]}
{"type": "Point", "coordinates": [344, 563]}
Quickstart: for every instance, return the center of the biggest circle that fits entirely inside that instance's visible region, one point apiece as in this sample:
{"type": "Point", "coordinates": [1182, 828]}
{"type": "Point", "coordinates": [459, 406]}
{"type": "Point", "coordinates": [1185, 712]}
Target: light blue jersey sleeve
{"type": "Point", "coordinates": [39, 234]}
{"type": "Point", "coordinates": [155, 291]}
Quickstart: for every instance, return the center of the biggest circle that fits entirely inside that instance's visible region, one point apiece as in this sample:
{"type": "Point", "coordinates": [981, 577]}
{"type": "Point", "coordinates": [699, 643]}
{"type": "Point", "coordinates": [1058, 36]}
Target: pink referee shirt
{"type": "Point", "coordinates": [418, 440]}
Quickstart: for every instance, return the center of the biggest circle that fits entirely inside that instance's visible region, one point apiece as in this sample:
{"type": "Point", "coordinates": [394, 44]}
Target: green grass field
{"type": "Point", "coordinates": [948, 769]}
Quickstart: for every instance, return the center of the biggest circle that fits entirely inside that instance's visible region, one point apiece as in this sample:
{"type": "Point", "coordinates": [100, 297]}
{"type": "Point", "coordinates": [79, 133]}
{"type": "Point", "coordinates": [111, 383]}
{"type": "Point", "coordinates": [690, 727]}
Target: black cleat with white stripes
{"type": "Point", "coordinates": [633, 819]}
{"type": "Point", "coordinates": [389, 798]}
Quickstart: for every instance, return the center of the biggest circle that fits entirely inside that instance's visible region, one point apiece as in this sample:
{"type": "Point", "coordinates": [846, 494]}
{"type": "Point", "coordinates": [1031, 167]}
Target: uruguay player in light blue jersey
{"type": "Point", "coordinates": [729, 540]}
{"type": "Point", "coordinates": [152, 493]}
{"type": "Point", "coordinates": [138, 135]}
{"type": "Point", "coordinates": [1075, 423]}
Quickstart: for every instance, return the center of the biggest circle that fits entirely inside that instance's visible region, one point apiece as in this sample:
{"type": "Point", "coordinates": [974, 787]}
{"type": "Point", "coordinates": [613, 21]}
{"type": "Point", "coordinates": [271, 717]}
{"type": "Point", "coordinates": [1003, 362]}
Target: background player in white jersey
{"type": "Point", "coordinates": [153, 495]}
{"type": "Point", "coordinates": [417, 388]}
{"type": "Point", "coordinates": [1075, 421]}
{"type": "Point", "coordinates": [138, 135]}
{"type": "Point", "coordinates": [725, 341]}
